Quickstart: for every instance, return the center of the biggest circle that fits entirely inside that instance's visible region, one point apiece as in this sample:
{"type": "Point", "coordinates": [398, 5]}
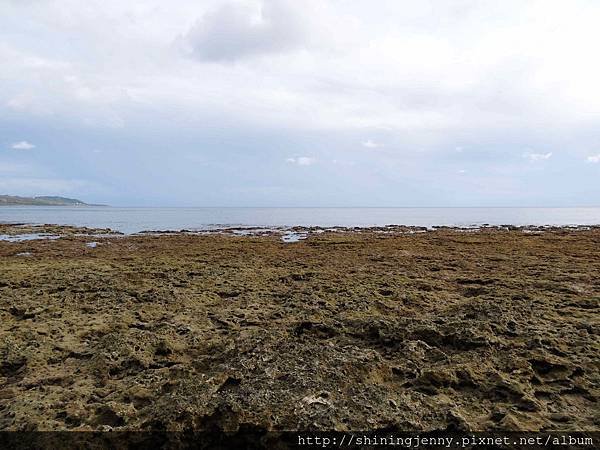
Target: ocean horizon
{"type": "Point", "coordinates": [136, 219]}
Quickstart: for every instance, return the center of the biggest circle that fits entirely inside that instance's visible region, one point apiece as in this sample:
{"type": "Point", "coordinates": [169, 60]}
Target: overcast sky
{"type": "Point", "coordinates": [301, 103]}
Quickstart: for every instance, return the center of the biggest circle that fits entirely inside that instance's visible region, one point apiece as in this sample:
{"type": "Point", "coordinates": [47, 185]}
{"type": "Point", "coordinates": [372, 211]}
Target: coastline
{"type": "Point", "coordinates": [135, 220]}
{"type": "Point", "coordinates": [402, 328]}
{"type": "Point", "coordinates": [24, 229]}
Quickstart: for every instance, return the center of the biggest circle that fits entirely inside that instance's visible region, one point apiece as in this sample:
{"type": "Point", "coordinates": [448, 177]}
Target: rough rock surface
{"type": "Point", "coordinates": [442, 330]}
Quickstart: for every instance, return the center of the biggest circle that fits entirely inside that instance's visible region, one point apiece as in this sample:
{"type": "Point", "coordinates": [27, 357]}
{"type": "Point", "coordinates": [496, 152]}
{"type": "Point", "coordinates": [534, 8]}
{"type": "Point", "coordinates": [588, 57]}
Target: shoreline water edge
{"type": "Point", "coordinates": [13, 232]}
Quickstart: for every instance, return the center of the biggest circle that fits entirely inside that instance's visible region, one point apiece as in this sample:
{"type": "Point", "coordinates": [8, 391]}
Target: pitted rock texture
{"type": "Point", "coordinates": [440, 330]}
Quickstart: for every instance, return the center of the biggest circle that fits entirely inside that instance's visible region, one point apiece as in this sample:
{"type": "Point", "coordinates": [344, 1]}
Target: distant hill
{"type": "Point", "coordinates": [40, 201]}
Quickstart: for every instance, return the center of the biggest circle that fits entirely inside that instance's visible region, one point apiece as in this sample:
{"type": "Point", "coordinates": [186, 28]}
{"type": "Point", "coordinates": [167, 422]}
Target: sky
{"type": "Point", "coordinates": [301, 103]}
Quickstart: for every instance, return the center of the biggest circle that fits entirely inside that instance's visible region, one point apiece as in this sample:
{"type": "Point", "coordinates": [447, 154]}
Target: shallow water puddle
{"type": "Point", "coordinates": [291, 237]}
{"type": "Point", "coordinates": [27, 237]}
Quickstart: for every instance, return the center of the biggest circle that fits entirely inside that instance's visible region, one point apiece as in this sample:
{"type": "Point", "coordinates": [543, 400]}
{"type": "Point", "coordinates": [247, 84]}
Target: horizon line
{"type": "Point", "coordinates": [326, 207]}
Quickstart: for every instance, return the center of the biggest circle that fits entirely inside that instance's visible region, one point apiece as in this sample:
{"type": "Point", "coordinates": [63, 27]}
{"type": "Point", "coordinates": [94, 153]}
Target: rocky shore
{"type": "Point", "coordinates": [495, 328]}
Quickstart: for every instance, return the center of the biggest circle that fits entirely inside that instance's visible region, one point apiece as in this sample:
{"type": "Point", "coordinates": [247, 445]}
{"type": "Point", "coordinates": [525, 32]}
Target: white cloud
{"type": "Point", "coordinates": [593, 158]}
{"type": "Point", "coordinates": [22, 145]}
{"type": "Point", "coordinates": [325, 65]}
{"type": "Point", "coordinates": [302, 161]}
{"type": "Point", "coordinates": [371, 144]}
{"type": "Point", "coordinates": [238, 30]}
{"type": "Point", "coordinates": [533, 157]}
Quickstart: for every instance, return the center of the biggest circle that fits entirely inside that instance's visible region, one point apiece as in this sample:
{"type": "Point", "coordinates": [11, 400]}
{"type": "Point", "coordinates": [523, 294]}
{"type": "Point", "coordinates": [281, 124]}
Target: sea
{"type": "Point", "coordinates": [132, 220]}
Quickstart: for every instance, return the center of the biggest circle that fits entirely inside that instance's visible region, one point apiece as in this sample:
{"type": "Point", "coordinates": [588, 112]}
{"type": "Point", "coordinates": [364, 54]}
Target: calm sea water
{"type": "Point", "coordinates": [131, 220]}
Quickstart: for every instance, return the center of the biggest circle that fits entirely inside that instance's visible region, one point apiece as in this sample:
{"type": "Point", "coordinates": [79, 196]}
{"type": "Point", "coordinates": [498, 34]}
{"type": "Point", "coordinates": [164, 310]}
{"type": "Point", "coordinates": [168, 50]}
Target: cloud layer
{"type": "Point", "coordinates": [235, 31]}
{"type": "Point", "coordinates": [416, 102]}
